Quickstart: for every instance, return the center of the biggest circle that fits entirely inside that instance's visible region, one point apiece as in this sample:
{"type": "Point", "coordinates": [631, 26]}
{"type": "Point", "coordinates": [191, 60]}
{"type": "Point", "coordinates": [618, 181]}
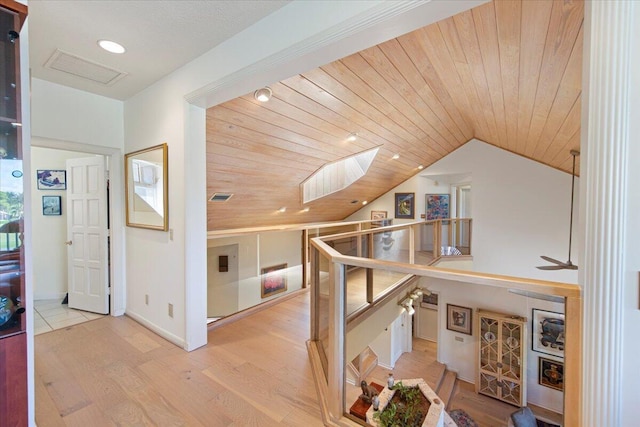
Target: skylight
{"type": "Point", "coordinates": [337, 176]}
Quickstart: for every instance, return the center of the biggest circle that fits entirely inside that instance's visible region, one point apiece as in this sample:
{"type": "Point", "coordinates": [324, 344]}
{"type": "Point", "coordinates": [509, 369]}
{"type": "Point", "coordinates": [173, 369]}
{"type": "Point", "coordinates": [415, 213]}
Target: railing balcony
{"type": "Point", "coordinates": [359, 278]}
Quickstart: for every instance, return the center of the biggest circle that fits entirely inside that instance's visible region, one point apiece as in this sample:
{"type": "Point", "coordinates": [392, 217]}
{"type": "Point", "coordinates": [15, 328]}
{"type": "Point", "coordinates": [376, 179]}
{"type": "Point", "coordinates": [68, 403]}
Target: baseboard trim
{"type": "Point", "coordinates": [60, 296]}
{"type": "Point", "coordinates": [255, 309]}
{"type": "Point", "coordinates": [157, 330]}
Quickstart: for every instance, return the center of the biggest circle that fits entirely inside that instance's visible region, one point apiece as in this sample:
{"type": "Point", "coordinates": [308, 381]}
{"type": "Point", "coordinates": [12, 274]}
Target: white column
{"type": "Point", "coordinates": [605, 122]}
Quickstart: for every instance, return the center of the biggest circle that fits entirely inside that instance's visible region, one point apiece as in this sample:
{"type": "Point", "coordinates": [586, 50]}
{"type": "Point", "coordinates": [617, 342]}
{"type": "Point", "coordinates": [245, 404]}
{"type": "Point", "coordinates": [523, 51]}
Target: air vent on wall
{"type": "Point", "coordinates": [80, 67]}
{"type": "Point", "coordinates": [220, 197]}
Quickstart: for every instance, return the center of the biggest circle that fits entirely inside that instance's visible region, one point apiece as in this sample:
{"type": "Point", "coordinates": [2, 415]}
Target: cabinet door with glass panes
{"type": "Point", "coordinates": [13, 339]}
{"type": "Point", "coordinates": [502, 357]}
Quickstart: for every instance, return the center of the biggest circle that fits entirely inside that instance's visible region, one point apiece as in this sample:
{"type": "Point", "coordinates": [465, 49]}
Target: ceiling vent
{"type": "Point", "coordinates": [220, 197]}
{"type": "Point", "coordinates": [80, 67]}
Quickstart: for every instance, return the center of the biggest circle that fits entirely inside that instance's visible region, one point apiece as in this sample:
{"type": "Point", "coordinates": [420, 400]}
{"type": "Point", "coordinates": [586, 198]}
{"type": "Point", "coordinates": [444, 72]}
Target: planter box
{"type": "Point", "coordinates": [435, 416]}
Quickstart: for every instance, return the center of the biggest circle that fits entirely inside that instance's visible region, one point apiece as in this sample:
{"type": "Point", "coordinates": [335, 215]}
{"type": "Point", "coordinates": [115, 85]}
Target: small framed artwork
{"type": "Point", "coordinates": [429, 301]}
{"type": "Point", "coordinates": [378, 215]}
{"type": "Point", "coordinates": [51, 205]}
{"type": "Point", "coordinates": [437, 206]}
{"type": "Point", "coordinates": [273, 280]}
{"type": "Point", "coordinates": [378, 218]}
{"type": "Point", "coordinates": [548, 332]}
{"type": "Point", "coordinates": [51, 179]}
{"type": "Point", "coordinates": [459, 319]}
{"type": "Point", "coordinates": [405, 205]}
{"type": "Point", "coordinates": [551, 373]}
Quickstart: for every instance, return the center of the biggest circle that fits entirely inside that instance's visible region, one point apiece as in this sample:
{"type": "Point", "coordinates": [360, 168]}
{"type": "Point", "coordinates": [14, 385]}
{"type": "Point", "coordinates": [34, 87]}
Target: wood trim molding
{"type": "Point", "coordinates": [366, 20]}
{"type": "Point", "coordinates": [255, 309]}
{"type": "Point", "coordinates": [21, 9]}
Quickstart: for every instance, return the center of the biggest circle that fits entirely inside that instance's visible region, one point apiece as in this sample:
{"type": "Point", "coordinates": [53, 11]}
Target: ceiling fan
{"type": "Point", "coordinates": [559, 265]}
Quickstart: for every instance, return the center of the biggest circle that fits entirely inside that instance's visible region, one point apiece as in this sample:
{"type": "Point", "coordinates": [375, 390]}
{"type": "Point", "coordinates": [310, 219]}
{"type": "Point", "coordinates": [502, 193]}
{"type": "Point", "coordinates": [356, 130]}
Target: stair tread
{"type": "Point", "coordinates": [435, 375]}
{"type": "Point", "coordinates": [445, 391]}
{"type": "Point", "coordinates": [369, 360]}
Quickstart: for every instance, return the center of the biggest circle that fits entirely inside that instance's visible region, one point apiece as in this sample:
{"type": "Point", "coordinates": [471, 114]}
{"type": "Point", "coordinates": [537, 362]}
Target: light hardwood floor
{"type": "Point", "coordinates": [112, 371]}
{"type": "Point", "coordinates": [254, 372]}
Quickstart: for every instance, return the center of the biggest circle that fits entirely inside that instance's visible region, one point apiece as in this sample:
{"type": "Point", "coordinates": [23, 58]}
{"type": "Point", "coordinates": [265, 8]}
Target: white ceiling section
{"type": "Point", "coordinates": [160, 36]}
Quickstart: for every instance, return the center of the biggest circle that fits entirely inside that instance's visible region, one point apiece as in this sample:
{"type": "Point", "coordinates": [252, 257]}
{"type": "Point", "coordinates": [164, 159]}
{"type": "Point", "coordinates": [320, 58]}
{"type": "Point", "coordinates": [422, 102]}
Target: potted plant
{"type": "Point", "coordinates": [407, 408]}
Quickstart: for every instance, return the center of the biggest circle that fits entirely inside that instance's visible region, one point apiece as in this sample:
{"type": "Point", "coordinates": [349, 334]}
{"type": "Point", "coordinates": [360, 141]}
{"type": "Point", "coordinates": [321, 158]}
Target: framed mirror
{"type": "Point", "coordinates": [147, 202]}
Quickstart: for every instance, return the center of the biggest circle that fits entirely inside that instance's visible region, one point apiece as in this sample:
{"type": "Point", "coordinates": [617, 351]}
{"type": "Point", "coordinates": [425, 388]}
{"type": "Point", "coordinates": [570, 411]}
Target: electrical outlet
{"type": "Point", "coordinates": [460, 339]}
{"type": "Point", "coordinates": [170, 310]}
{"type": "Point", "coordinates": [146, 299]}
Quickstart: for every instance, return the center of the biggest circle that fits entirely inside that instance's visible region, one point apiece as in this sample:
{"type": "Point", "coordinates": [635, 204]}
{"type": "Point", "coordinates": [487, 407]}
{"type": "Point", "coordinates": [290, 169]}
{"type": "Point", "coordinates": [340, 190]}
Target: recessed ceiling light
{"type": "Point", "coordinates": [110, 46]}
{"type": "Point", "coordinates": [352, 137]}
{"type": "Point", "coordinates": [364, 202]}
{"type": "Point", "coordinates": [282, 209]}
{"type": "Point", "coordinates": [396, 156]}
{"type": "Point", "coordinates": [263, 95]}
{"type": "Point", "coordinates": [420, 167]}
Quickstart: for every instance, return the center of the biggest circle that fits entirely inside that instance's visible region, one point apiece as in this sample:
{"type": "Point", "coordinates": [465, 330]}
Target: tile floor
{"type": "Point", "coordinates": [51, 314]}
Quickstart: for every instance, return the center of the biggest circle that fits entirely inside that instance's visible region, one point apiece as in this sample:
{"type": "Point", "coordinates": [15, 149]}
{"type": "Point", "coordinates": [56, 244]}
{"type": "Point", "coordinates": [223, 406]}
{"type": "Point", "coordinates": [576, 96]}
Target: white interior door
{"type": "Point", "coordinates": [87, 235]}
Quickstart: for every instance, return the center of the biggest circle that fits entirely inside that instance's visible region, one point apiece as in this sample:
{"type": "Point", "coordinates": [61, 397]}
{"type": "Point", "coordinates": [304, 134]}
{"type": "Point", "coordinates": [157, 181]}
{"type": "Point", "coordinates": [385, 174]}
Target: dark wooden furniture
{"type": "Point", "coordinates": [360, 407]}
{"type": "Point", "coordinates": [13, 338]}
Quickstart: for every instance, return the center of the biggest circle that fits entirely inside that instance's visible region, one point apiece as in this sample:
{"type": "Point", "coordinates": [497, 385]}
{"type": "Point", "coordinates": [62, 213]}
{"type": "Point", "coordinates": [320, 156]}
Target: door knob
{"type": "Point", "coordinates": [69, 242]}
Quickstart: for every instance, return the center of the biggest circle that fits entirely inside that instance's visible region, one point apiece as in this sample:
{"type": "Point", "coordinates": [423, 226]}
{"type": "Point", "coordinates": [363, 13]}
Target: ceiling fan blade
{"type": "Point", "coordinates": [550, 267]}
{"type": "Point", "coordinates": [554, 261]}
{"type": "Point", "coordinates": [560, 265]}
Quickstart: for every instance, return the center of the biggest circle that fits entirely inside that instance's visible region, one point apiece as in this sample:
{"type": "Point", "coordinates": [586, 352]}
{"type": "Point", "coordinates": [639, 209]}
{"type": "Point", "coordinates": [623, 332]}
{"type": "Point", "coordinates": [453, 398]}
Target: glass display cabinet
{"type": "Point", "coordinates": [13, 342]}
{"type": "Point", "coordinates": [11, 183]}
{"type": "Point", "coordinates": [502, 357]}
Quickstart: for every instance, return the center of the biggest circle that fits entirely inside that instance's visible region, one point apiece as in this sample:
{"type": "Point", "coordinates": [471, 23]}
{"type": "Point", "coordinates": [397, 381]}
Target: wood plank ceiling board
{"type": "Point", "coordinates": [507, 73]}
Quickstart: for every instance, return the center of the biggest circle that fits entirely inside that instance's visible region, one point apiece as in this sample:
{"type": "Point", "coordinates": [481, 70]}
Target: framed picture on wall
{"type": "Point", "coordinates": [51, 205]}
{"type": "Point", "coordinates": [405, 205]}
{"type": "Point", "coordinates": [51, 179]}
{"type": "Point", "coordinates": [459, 319]}
{"type": "Point", "coordinates": [547, 332]}
{"type": "Point", "coordinates": [429, 300]}
{"type": "Point", "coordinates": [551, 373]}
{"type": "Point", "coordinates": [378, 218]}
{"type": "Point", "coordinates": [437, 206]}
{"type": "Point", "coordinates": [273, 280]}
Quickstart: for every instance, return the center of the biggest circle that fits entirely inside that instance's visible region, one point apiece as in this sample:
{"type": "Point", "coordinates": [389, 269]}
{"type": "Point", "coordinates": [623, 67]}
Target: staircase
{"type": "Point", "coordinates": [360, 367]}
{"type": "Point", "coordinates": [446, 386]}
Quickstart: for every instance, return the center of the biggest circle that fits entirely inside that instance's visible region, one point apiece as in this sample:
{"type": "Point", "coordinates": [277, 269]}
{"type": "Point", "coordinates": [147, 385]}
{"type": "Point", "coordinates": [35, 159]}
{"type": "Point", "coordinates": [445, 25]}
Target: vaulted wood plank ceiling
{"type": "Point", "coordinates": [507, 73]}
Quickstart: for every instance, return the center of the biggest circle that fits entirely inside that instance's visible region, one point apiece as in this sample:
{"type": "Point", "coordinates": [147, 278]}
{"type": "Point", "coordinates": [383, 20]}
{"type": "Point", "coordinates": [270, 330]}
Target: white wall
{"type": "Point", "coordinates": [382, 347]}
{"type": "Point", "coordinates": [49, 232]}
{"type": "Point", "coordinates": [520, 209]}
{"type": "Point", "coordinates": [255, 252]}
{"type": "Point", "coordinates": [367, 332]}
{"type": "Point", "coordinates": [222, 286]}
{"type": "Point", "coordinates": [631, 305]}
{"type": "Point", "coordinates": [66, 114]}
{"type": "Point", "coordinates": [461, 356]}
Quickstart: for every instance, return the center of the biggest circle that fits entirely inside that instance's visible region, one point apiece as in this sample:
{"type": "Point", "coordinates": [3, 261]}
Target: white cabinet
{"type": "Point", "coordinates": [502, 356]}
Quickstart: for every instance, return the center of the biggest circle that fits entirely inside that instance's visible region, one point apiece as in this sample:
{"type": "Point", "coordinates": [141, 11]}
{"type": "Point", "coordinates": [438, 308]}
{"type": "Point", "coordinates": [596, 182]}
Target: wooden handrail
{"type": "Point", "coordinates": [338, 326]}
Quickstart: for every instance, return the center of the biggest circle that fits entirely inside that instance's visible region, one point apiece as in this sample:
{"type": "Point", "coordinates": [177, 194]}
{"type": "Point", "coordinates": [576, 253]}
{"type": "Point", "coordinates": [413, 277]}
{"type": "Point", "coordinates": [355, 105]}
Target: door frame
{"type": "Point", "coordinates": [117, 250]}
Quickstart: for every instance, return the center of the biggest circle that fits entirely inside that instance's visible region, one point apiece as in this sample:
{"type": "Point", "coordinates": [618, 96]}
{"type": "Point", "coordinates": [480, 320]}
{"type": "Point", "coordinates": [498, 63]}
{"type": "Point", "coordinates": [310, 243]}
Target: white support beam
{"type": "Point", "coordinates": [605, 124]}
